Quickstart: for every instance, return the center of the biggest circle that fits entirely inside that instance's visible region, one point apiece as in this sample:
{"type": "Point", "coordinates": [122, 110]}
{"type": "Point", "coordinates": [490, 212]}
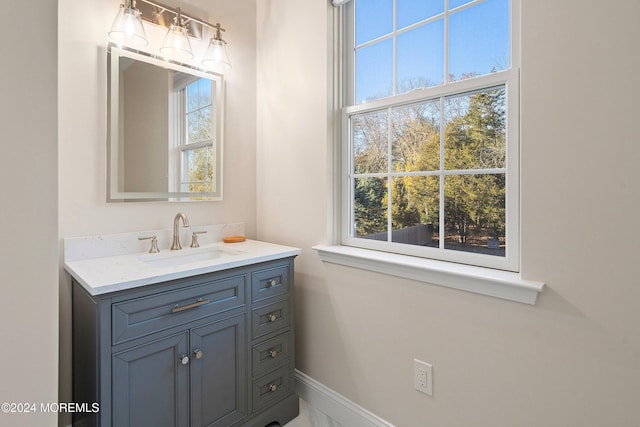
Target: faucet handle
{"type": "Point", "coordinates": [194, 238]}
{"type": "Point", "coordinates": [154, 244]}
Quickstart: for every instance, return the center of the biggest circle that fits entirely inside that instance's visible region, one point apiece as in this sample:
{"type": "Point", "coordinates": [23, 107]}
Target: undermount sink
{"type": "Point", "coordinates": [186, 256]}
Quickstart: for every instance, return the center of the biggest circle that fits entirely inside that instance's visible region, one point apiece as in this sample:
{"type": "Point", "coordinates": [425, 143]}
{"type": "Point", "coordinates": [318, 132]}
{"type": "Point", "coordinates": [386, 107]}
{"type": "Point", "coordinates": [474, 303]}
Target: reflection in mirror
{"type": "Point", "coordinates": [165, 130]}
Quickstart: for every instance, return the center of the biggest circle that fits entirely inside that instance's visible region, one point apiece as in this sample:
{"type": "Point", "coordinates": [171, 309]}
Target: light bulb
{"type": "Point", "coordinates": [127, 28]}
{"type": "Point", "coordinates": [216, 53]}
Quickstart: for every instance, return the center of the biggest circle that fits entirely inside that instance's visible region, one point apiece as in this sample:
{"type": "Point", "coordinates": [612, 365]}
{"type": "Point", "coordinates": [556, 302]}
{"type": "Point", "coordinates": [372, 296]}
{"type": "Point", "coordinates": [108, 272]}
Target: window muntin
{"type": "Point", "coordinates": [432, 172]}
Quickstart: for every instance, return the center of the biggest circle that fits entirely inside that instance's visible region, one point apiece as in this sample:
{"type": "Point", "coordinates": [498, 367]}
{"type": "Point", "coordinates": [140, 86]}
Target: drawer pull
{"type": "Point", "coordinates": [271, 317]}
{"type": "Point", "coordinates": [272, 387]}
{"type": "Point", "coordinates": [273, 353]}
{"type": "Point", "coordinates": [271, 283]}
{"type": "Point", "coordinates": [198, 303]}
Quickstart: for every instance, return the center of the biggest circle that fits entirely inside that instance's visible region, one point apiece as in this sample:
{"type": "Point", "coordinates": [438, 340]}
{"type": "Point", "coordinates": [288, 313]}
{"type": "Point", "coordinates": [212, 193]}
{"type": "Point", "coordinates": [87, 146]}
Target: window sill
{"type": "Point", "coordinates": [485, 281]}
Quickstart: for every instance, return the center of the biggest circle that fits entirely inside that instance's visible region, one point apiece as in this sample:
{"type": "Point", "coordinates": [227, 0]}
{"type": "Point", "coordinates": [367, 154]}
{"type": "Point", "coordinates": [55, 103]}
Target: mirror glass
{"type": "Point", "coordinates": [164, 129]}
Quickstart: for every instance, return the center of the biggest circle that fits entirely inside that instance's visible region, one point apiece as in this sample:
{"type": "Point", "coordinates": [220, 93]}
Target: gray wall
{"type": "Point", "coordinates": [146, 147]}
{"type": "Point", "coordinates": [82, 39]}
{"type": "Point", "coordinates": [573, 359]}
{"type": "Point", "coordinates": [29, 222]}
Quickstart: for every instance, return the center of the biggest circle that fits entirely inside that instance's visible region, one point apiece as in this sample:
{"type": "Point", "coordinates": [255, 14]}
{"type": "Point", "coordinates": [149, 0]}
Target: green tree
{"type": "Point", "coordinates": [416, 147]}
{"type": "Point", "coordinates": [370, 209]}
{"type": "Point", "coordinates": [474, 140]}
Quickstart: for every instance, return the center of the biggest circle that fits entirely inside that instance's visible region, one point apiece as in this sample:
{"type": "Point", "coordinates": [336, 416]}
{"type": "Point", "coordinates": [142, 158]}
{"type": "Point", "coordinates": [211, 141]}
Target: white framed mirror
{"type": "Point", "coordinates": [165, 128]}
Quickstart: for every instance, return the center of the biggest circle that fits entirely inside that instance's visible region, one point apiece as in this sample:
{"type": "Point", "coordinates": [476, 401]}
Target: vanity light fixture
{"type": "Point", "coordinates": [176, 42]}
{"type": "Point", "coordinates": [127, 28]}
{"type": "Point", "coordinates": [128, 31]}
{"type": "Point", "coordinates": [217, 50]}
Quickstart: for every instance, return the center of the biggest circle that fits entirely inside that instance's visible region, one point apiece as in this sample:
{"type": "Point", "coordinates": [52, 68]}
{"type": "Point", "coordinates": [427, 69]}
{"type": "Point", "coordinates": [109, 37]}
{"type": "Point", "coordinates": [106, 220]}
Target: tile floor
{"type": "Point", "coordinates": [301, 420]}
{"type": "Point", "coordinates": [311, 417]}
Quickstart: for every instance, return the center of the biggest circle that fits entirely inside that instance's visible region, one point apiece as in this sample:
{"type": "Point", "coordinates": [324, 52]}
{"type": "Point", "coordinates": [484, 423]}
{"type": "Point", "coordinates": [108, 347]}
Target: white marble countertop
{"type": "Point", "coordinates": [115, 272]}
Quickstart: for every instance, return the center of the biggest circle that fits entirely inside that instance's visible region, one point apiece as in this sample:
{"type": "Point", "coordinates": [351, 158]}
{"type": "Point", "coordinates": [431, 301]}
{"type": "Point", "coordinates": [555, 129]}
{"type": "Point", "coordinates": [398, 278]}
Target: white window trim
{"type": "Point", "coordinates": [485, 281]}
{"type": "Point", "coordinates": [506, 285]}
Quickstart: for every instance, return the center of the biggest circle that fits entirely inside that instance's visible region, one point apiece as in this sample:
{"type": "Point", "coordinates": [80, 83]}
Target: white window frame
{"type": "Point", "coordinates": [178, 163]}
{"type": "Point", "coordinates": [510, 261]}
{"type": "Point", "coordinates": [488, 275]}
{"type": "Point", "coordinates": [185, 147]}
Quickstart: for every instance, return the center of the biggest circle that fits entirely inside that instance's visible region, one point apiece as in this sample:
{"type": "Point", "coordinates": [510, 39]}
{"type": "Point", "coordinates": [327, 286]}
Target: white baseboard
{"type": "Point", "coordinates": [334, 405]}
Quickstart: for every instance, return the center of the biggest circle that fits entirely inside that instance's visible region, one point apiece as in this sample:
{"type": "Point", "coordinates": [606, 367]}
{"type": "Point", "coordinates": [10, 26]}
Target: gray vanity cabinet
{"type": "Point", "coordinates": [149, 388]}
{"type": "Point", "coordinates": [212, 350]}
{"type": "Point", "coordinates": [218, 373]}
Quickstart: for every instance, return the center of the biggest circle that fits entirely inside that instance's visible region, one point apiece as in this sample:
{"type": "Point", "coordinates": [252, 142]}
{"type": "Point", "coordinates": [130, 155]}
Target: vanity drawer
{"type": "Point", "coordinates": [270, 318]}
{"type": "Point", "coordinates": [142, 316]}
{"type": "Point", "coordinates": [270, 282]}
{"type": "Point", "coordinates": [271, 353]}
{"type": "Point", "coordinates": [271, 387]}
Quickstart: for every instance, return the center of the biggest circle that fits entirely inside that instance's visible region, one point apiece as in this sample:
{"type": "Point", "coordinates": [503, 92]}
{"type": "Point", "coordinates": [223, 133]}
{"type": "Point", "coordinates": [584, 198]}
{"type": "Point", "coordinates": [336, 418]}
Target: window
{"type": "Point", "coordinates": [430, 130]}
{"type": "Point", "coordinates": [197, 150]}
{"type": "Point", "coordinates": [193, 161]}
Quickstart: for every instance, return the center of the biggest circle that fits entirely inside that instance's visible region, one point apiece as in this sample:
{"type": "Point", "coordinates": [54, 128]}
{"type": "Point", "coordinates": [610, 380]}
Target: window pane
{"type": "Point", "coordinates": [192, 128]}
{"type": "Point", "coordinates": [421, 57]}
{"type": "Point", "coordinates": [192, 96]}
{"type": "Point", "coordinates": [475, 134]}
{"type": "Point", "coordinates": [474, 211]}
{"type": "Point", "coordinates": [415, 210]}
{"type": "Point", "coordinates": [479, 40]}
{"type": "Point", "coordinates": [416, 137]}
{"type": "Point", "coordinates": [204, 124]}
{"type": "Point", "coordinates": [374, 18]}
{"type": "Point", "coordinates": [199, 163]}
{"type": "Point", "coordinates": [210, 163]}
{"type": "Point", "coordinates": [370, 208]}
{"type": "Point", "coordinates": [204, 90]}
{"type": "Point", "coordinates": [455, 3]}
{"type": "Point", "coordinates": [370, 136]}
{"type": "Point", "coordinates": [374, 71]}
{"type": "Point", "coordinates": [412, 11]}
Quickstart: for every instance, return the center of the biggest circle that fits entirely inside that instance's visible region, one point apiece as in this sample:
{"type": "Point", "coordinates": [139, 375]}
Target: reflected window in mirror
{"type": "Point", "coordinates": [193, 154]}
{"type": "Point", "coordinates": [165, 130]}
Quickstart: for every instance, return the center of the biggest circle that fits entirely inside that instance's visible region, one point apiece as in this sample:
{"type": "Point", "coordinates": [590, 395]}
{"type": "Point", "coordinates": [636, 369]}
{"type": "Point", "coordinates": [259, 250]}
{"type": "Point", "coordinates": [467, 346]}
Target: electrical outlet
{"type": "Point", "coordinates": [423, 377]}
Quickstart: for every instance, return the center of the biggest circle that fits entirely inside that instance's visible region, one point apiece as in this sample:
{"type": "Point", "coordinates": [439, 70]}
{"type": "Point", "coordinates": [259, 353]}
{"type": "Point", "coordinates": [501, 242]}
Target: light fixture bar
{"type": "Point", "coordinates": [162, 15]}
{"type": "Point", "coordinates": [128, 30]}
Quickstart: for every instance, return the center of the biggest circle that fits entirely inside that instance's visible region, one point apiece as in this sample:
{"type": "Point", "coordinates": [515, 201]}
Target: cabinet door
{"type": "Point", "coordinates": [218, 373]}
{"type": "Point", "coordinates": [151, 384]}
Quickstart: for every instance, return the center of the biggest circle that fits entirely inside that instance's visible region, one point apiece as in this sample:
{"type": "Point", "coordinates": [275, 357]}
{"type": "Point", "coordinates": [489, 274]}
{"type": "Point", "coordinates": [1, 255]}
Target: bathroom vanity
{"type": "Point", "coordinates": [178, 341]}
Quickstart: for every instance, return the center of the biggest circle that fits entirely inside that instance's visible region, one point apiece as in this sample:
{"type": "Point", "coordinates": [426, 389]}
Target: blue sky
{"type": "Point", "coordinates": [478, 39]}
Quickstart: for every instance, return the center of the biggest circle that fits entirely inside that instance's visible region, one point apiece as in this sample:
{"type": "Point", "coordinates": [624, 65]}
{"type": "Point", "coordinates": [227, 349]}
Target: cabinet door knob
{"type": "Point", "coordinates": [271, 317]}
{"type": "Point", "coordinates": [271, 283]}
{"type": "Point", "coordinates": [273, 353]}
{"type": "Point", "coordinates": [184, 359]}
{"type": "Point", "coordinates": [197, 353]}
{"type": "Point", "coordinates": [273, 387]}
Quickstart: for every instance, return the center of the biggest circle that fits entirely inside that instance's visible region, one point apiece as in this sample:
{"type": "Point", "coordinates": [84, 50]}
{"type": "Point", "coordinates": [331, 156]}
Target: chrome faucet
{"type": "Point", "coordinates": [176, 232]}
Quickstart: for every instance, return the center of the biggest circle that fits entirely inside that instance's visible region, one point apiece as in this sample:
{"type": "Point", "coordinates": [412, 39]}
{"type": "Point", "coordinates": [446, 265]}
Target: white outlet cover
{"type": "Point", "coordinates": [423, 377]}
